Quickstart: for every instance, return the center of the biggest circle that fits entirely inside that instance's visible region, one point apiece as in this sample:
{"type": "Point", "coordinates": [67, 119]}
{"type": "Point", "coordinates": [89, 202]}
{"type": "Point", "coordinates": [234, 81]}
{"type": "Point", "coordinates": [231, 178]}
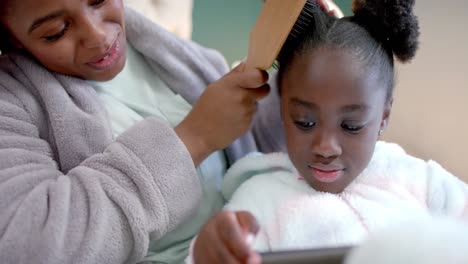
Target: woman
{"type": "Point", "coordinates": [86, 174]}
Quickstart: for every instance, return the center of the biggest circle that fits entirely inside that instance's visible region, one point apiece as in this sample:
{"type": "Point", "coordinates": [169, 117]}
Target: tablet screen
{"type": "Point", "coordinates": [308, 256]}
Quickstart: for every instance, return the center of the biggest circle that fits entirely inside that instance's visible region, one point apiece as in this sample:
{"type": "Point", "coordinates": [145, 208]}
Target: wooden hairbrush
{"type": "Point", "coordinates": [277, 20]}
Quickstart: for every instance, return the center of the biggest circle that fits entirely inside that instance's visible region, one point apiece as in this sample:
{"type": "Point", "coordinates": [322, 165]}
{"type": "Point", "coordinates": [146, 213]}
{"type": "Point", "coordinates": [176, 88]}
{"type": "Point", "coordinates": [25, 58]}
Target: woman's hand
{"type": "Point", "coordinates": [225, 239]}
{"type": "Point", "coordinates": [330, 7]}
{"type": "Point", "coordinates": [223, 113]}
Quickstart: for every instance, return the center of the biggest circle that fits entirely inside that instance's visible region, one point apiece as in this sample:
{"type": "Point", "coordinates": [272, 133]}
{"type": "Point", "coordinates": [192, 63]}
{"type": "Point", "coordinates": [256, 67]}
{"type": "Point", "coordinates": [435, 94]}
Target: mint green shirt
{"type": "Point", "coordinates": [137, 93]}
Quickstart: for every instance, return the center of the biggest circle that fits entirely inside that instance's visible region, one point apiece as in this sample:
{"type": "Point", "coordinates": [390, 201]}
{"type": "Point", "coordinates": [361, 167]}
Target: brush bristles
{"type": "Point", "coordinates": [303, 24]}
{"type": "Point", "coordinates": [304, 20]}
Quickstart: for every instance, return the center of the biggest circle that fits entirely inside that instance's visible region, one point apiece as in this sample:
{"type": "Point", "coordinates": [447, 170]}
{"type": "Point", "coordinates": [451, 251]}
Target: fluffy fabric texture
{"type": "Point", "coordinates": [432, 240]}
{"type": "Point", "coordinates": [292, 215]}
{"type": "Point", "coordinates": [69, 192]}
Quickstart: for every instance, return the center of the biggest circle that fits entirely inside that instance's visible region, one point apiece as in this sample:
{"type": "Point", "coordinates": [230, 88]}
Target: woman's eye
{"type": "Point", "coordinates": [304, 125]}
{"type": "Point", "coordinates": [55, 37]}
{"type": "Point", "coordinates": [351, 128]}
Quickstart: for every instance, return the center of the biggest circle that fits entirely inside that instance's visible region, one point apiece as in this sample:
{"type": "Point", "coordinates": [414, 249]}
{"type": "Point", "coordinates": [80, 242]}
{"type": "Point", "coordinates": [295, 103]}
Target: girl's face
{"type": "Point", "coordinates": [332, 111]}
{"type": "Point", "coordinates": [82, 38]}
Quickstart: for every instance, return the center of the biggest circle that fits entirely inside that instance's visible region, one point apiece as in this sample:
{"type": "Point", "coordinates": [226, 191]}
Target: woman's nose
{"type": "Point", "coordinates": [94, 34]}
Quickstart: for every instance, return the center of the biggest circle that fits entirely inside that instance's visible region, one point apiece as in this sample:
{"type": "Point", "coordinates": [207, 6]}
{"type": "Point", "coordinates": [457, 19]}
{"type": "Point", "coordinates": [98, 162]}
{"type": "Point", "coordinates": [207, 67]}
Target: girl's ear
{"type": "Point", "coordinates": [386, 116]}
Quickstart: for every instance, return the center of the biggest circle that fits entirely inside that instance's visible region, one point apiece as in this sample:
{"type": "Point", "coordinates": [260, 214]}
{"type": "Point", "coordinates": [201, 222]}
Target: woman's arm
{"type": "Point", "coordinates": [101, 211]}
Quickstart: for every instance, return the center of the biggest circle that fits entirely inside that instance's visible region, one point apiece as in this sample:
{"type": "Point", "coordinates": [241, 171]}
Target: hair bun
{"type": "Point", "coordinates": [392, 22]}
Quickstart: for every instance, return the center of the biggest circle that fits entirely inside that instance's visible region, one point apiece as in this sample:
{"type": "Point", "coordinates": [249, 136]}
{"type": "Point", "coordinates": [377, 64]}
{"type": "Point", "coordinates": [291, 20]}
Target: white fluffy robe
{"type": "Point", "coordinates": [292, 215]}
{"type": "Point", "coordinates": [434, 240]}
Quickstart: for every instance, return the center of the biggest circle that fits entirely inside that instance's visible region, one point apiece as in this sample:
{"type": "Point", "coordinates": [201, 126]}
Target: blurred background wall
{"type": "Point", "coordinates": [226, 24]}
{"type": "Point", "coordinates": [431, 108]}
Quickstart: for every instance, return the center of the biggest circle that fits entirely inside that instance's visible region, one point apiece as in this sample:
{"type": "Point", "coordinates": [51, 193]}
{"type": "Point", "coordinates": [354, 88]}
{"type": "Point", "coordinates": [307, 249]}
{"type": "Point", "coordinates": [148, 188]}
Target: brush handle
{"type": "Point", "coordinates": [272, 28]}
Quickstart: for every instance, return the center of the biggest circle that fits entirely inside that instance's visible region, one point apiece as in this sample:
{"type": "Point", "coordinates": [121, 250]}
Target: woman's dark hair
{"type": "Point", "coordinates": [5, 44]}
{"type": "Point", "coordinates": [379, 31]}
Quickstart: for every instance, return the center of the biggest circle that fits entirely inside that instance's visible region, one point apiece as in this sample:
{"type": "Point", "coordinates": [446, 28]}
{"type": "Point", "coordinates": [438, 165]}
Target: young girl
{"type": "Point", "coordinates": [336, 184]}
{"type": "Point", "coordinates": [92, 170]}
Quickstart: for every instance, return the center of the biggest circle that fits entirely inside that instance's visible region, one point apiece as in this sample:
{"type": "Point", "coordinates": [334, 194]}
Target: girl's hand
{"type": "Point", "coordinates": [226, 238]}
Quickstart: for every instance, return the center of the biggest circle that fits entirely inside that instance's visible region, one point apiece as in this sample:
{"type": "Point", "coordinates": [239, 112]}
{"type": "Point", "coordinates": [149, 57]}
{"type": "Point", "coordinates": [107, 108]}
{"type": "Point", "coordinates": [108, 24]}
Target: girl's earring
{"type": "Point", "coordinates": [380, 132]}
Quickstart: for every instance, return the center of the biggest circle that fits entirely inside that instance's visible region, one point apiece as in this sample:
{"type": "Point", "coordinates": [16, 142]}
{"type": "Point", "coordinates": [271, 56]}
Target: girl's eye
{"type": "Point", "coordinates": [55, 37]}
{"type": "Point", "coordinates": [351, 128]}
{"type": "Point", "coordinates": [97, 2]}
{"type": "Point", "coordinates": [304, 125]}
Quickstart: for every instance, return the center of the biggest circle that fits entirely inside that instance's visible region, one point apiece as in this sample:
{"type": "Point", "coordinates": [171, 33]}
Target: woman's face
{"type": "Point", "coordinates": [332, 111]}
{"type": "Point", "coordinates": [81, 38]}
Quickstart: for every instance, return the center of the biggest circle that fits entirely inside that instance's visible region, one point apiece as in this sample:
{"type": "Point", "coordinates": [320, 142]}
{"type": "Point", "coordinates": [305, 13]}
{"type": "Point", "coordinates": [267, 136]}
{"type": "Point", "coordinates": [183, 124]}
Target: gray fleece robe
{"type": "Point", "coordinates": [69, 192]}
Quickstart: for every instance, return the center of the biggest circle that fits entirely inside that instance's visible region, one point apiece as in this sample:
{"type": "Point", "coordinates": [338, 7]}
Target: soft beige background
{"type": "Point", "coordinates": [430, 115]}
{"type": "Point", "coordinates": [174, 15]}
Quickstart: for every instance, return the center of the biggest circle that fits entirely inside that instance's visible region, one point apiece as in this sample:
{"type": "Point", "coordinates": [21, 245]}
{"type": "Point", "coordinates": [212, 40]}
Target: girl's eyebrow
{"type": "Point", "coordinates": [344, 109]}
{"type": "Point", "coordinates": [39, 21]}
{"type": "Point", "coordinates": [299, 102]}
{"type": "Point", "coordinates": [354, 108]}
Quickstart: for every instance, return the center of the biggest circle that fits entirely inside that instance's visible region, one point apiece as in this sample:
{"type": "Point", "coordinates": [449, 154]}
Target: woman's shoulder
{"type": "Point", "coordinates": [13, 61]}
{"type": "Point", "coordinates": [37, 94]}
{"type": "Point", "coordinates": [14, 78]}
{"type": "Point", "coordinates": [22, 77]}
{"type": "Point", "coordinates": [17, 69]}
{"type": "Point", "coordinates": [7, 66]}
